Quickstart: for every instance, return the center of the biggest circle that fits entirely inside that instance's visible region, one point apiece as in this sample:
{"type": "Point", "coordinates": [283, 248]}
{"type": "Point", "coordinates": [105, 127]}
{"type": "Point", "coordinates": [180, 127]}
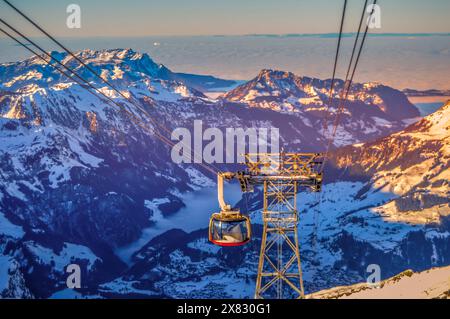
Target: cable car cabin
{"type": "Point", "coordinates": [229, 228]}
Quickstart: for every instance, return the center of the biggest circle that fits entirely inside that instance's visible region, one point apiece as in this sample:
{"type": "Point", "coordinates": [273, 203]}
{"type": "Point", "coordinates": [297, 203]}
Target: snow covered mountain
{"type": "Point", "coordinates": [372, 109]}
{"type": "Point", "coordinates": [79, 181]}
{"type": "Point", "coordinates": [413, 164]}
{"type": "Point", "coordinates": [430, 284]}
{"type": "Point", "coordinates": [117, 65]}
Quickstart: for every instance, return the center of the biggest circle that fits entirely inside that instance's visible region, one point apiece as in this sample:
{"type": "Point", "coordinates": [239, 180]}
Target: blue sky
{"type": "Point", "coordinates": [206, 17]}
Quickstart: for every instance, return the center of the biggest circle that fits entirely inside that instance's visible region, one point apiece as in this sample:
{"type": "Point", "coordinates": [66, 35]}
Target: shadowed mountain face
{"type": "Point", "coordinates": [80, 180]}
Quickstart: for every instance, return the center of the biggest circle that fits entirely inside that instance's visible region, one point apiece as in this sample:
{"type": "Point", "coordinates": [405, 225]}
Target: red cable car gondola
{"type": "Point", "coordinates": [229, 227]}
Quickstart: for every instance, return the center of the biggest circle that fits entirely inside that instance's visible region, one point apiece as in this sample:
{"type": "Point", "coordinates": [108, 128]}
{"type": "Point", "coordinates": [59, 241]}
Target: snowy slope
{"type": "Point", "coordinates": [412, 164]}
{"type": "Point", "coordinates": [428, 284]}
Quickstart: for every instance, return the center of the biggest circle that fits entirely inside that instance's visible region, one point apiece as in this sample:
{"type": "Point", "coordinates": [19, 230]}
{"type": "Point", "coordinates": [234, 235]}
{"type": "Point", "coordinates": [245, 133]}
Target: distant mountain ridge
{"type": "Point", "coordinates": [286, 91]}
{"type": "Point", "coordinates": [432, 92]}
{"type": "Point", "coordinates": [114, 63]}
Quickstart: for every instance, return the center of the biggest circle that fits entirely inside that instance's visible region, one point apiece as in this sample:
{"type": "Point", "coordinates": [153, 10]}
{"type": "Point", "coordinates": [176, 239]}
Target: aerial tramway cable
{"type": "Point", "coordinates": [325, 120]}
{"type": "Point", "coordinates": [343, 97]}
{"type": "Point", "coordinates": [336, 58]}
{"type": "Point", "coordinates": [348, 83]}
{"type": "Point", "coordinates": [351, 58]}
{"type": "Point", "coordinates": [211, 168]}
{"type": "Point", "coordinates": [80, 61]}
{"type": "Point", "coordinates": [85, 85]}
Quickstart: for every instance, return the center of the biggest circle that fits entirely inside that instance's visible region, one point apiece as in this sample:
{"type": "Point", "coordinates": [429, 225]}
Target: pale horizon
{"type": "Point", "coordinates": [139, 18]}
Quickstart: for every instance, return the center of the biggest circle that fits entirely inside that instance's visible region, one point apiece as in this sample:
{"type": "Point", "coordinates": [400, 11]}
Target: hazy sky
{"type": "Point", "coordinates": [199, 17]}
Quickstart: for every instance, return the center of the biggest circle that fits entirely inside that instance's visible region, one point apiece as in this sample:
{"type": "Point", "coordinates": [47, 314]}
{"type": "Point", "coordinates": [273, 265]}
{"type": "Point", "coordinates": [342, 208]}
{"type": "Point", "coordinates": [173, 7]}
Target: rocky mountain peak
{"type": "Point", "coordinates": [269, 74]}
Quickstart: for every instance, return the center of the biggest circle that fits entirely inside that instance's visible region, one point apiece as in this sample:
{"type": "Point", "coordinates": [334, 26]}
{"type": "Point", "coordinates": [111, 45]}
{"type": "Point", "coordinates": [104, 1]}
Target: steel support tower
{"type": "Point", "coordinates": [281, 176]}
